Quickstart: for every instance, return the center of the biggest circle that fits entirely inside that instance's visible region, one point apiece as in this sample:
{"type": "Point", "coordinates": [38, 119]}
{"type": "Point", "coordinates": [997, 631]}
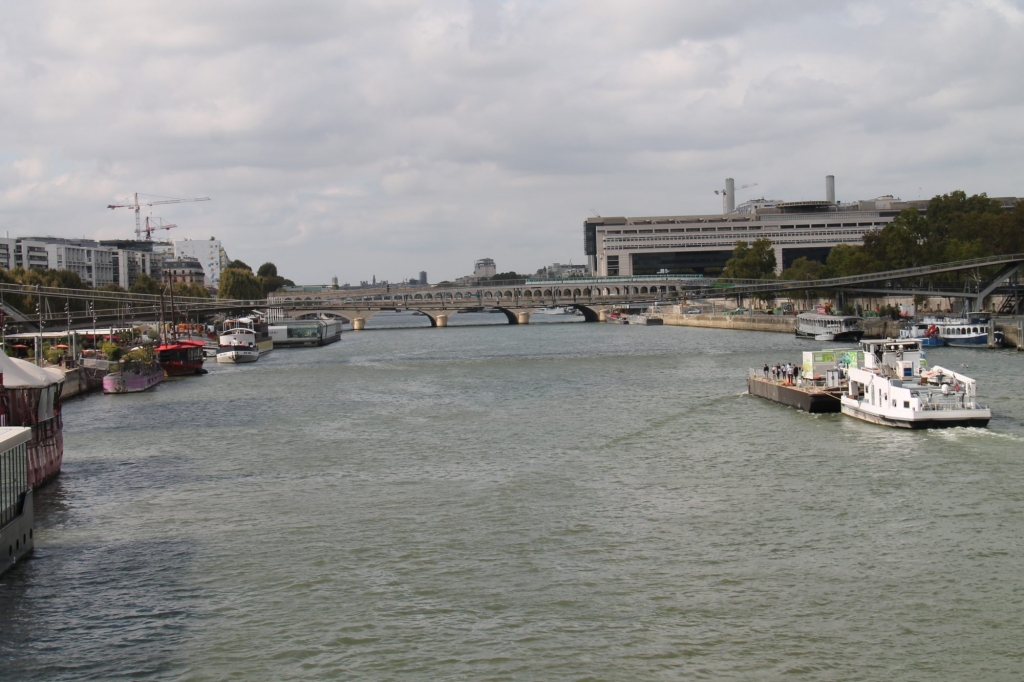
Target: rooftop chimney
{"type": "Point", "coordinates": [830, 189]}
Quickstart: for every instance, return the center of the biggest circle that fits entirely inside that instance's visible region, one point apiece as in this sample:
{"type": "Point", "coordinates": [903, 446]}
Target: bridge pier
{"type": "Point", "coordinates": [441, 320]}
{"type": "Point", "coordinates": [523, 317]}
{"type": "Point", "coordinates": [358, 324]}
{"type": "Point", "coordinates": [602, 316]}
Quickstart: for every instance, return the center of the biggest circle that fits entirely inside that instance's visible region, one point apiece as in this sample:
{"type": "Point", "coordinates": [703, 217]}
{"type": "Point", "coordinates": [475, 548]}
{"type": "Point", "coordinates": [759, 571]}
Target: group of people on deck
{"type": "Point", "coordinates": [787, 372]}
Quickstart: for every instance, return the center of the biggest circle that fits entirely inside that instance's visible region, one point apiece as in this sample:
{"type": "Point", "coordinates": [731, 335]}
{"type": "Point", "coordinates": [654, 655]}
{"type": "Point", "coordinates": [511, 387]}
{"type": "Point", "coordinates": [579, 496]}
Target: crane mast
{"type": "Point", "coordinates": [136, 204]}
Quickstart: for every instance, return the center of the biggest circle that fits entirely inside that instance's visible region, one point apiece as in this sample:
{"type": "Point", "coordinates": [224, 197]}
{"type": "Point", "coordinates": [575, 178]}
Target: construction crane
{"type": "Point", "coordinates": [150, 229]}
{"type": "Point", "coordinates": [724, 193]}
{"type": "Point", "coordinates": [137, 205]}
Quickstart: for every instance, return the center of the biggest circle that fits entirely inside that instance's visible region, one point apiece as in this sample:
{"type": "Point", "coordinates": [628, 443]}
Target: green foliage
{"type": "Point", "coordinates": [142, 355]}
{"type": "Point", "coordinates": [955, 227]}
{"type": "Point", "coordinates": [751, 261]}
{"type": "Point", "coordinates": [111, 350]}
{"type": "Point", "coordinates": [145, 285]}
{"type": "Point", "coordinates": [804, 269]}
{"type": "Point", "coordinates": [271, 283]}
{"type": "Point", "coordinates": [268, 269]}
{"type": "Point", "coordinates": [52, 355]}
{"type": "Point", "coordinates": [238, 265]}
{"type": "Point", "coordinates": [191, 289]}
{"type": "Point", "coordinates": [238, 283]}
{"type": "Point", "coordinates": [509, 276]}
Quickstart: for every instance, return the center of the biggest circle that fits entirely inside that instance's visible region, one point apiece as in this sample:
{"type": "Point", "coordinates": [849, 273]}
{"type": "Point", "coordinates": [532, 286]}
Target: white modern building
{"type": "Point", "coordinates": [680, 244]}
{"type": "Point", "coordinates": [208, 252]}
{"type": "Point", "coordinates": [485, 267]}
{"type": "Point", "coordinates": [93, 263]}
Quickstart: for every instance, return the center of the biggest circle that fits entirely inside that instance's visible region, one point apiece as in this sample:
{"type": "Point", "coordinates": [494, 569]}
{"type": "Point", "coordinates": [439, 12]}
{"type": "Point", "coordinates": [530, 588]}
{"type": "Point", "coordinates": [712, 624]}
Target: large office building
{"type": "Point", "coordinates": [93, 262]}
{"type": "Point", "coordinates": [679, 244]}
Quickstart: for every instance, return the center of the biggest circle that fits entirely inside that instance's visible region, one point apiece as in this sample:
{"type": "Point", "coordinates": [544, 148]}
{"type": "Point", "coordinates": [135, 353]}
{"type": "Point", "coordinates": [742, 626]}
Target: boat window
{"type": "Point", "coordinates": [906, 404]}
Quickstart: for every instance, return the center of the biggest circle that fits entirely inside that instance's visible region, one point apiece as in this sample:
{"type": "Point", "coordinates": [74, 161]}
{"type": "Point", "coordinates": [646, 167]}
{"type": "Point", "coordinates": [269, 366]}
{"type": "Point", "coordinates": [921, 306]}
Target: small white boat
{"type": "Point", "coordinates": [556, 310]}
{"type": "Point", "coordinates": [893, 387]}
{"type": "Point", "coordinates": [243, 340]}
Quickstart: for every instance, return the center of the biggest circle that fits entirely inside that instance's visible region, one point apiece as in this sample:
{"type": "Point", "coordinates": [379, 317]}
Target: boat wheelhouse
{"type": "Point", "coordinates": [823, 327]}
{"type": "Point", "coordinates": [894, 387]}
{"type": "Point", "coordinates": [179, 358]}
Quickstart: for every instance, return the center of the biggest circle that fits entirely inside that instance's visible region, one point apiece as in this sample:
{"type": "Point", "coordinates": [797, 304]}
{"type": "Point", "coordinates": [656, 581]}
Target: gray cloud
{"type": "Point", "coordinates": [387, 137]}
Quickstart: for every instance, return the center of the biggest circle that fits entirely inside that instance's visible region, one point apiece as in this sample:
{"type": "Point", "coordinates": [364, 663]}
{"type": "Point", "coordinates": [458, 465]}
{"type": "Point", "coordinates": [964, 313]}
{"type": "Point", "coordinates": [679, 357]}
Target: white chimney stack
{"type": "Point", "coordinates": [730, 195]}
{"type": "Point", "coordinates": [830, 189]}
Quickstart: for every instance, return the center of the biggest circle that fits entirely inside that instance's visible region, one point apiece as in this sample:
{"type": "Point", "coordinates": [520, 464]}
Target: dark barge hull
{"type": "Point", "coordinates": [815, 401]}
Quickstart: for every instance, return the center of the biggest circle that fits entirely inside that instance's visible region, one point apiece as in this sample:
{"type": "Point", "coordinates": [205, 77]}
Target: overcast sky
{"type": "Point", "coordinates": [388, 137]}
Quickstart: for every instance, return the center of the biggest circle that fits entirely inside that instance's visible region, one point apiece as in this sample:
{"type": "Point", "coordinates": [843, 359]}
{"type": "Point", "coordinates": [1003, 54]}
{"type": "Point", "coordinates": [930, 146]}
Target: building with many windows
{"type": "Point", "coordinates": [93, 263]}
{"type": "Point", "coordinates": [680, 244]}
{"type": "Point", "coordinates": [184, 270]}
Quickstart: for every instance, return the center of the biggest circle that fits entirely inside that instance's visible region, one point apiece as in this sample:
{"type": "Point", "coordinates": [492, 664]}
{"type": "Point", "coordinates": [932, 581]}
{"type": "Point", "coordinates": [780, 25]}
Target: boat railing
{"type": "Point", "coordinates": [96, 363]}
{"type": "Point", "coordinates": [952, 402]}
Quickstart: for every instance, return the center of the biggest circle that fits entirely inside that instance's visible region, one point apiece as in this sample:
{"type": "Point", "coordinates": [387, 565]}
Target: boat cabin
{"type": "Point", "coordinates": [902, 358]}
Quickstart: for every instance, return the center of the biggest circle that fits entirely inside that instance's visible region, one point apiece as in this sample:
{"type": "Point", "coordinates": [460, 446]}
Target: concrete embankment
{"type": "Point", "coordinates": [874, 327]}
{"type": "Point", "coordinates": [755, 323]}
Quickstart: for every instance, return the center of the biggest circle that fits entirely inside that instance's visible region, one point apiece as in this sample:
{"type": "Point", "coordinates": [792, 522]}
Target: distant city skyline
{"type": "Point", "coordinates": [365, 138]}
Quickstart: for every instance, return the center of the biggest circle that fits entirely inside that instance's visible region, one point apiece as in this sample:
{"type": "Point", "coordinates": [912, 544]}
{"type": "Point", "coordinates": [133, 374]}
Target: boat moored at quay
{"type": "Point", "coordinates": [894, 387]}
{"type": "Point", "coordinates": [16, 508]}
{"type": "Point", "coordinates": [181, 357]}
{"type": "Point", "coordinates": [824, 327]}
{"type": "Point", "coordinates": [244, 339]}
{"type": "Point", "coordinates": [132, 376]}
{"type": "Point", "coordinates": [964, 332]}
{"type": "Point", "coordinates": [31, 397]}
{"type": "Point", "coordinates": [305, 332]}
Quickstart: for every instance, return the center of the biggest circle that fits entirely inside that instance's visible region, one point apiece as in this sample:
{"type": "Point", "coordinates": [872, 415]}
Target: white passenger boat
{"type": "Point", "coordinates": [894, 388]}
{"type": "Point", "coordinates": [243, 340]}
{"type": "Point", "coordinates": [965, 332]}
{"type": "Point", "coordinates": [829, 327]}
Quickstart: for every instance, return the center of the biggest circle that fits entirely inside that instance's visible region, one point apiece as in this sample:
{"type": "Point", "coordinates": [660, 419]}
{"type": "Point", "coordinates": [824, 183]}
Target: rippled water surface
{"type": "Point", "coordinates": [541, 502]}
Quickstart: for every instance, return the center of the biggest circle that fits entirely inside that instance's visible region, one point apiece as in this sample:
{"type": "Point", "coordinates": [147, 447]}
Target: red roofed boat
{"type": "Point", "coordinates": [181, 357]}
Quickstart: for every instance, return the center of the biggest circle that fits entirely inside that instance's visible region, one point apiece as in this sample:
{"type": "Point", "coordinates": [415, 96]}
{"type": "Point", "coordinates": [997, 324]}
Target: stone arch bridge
{"type": "Point", "coordinates": [593, 298]}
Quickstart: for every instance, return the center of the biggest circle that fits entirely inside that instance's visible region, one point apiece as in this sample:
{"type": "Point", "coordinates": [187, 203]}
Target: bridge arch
{"type": "Point", "coordinates": [547, 292]}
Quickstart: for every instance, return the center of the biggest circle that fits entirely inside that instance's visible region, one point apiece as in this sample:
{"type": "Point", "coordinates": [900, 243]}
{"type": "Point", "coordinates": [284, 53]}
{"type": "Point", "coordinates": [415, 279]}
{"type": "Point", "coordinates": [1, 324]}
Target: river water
{"type": "Point", "coordinates": [541, 502]}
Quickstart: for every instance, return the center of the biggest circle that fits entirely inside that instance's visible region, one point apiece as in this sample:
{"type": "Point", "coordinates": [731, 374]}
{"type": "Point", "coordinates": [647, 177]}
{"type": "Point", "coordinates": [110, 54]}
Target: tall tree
{"type": "Point", "coordinates": [145, 284]}
{"type": "Point", "coordinates": [752, 261]}
{"type": "Point", "coordinates": [268, 269]}
{"type": "Point", "coordinates": [237, 283]}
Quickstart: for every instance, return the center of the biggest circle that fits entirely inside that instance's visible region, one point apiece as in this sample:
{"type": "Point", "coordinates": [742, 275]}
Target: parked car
{"type": "Point", "coordinates": [693, 311]}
